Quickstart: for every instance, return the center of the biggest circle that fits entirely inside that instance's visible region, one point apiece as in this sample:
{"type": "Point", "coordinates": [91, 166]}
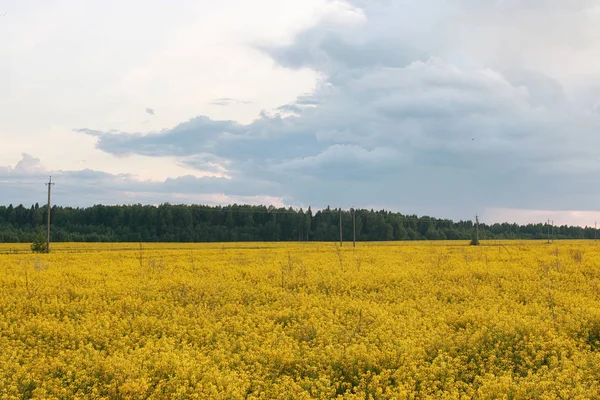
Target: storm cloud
{"type": "Point", "coordinates": [430, 107]}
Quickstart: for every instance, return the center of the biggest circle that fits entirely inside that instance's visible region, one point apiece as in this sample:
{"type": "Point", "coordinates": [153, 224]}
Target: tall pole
{"type": "Point", "coordinates": [354, 227]}
{"type": "Point", "coordinates": [548, 231]}
{"type": "Point", "coordinates": [341, 240]}
{"type": "Point", "coordinates": [552, 231]}
{"type": "Point", "coordinates": [477, 228]}
{"type": "Point", "coordinates": [49, 184]}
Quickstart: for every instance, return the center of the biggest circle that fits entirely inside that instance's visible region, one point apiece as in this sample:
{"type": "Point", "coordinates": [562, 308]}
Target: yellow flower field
{"type": "Point", "coordinates": [234, 321]}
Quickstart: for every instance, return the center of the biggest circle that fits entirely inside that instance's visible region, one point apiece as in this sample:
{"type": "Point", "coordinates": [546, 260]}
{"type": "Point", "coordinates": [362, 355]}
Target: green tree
{"type": "Point", "coordinates": [39, 244]}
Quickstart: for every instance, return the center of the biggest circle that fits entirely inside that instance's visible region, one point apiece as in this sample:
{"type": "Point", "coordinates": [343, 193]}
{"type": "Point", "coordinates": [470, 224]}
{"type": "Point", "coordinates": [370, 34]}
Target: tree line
{"type": "Point", "coordinates": [199, 223]}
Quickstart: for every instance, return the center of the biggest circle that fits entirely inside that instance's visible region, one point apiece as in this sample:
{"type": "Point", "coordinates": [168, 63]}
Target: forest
{"type": "Point", "coordinates": [245, 223]}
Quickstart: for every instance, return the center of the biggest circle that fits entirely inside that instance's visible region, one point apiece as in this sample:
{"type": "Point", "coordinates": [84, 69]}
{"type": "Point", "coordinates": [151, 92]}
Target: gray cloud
{"type": "Point", "coordinates": [193, 136]}
{"type": "Point", "coordinates": [150, 111]}
{"type": "Point", "coordinates": [25, 184]}
{"type": "Point", "coordinates": [409, 114]}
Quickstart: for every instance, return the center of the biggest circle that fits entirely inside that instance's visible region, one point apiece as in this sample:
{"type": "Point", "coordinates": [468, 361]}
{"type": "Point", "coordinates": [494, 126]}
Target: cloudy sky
{"type": "Point", "coordinates": [437, 107]}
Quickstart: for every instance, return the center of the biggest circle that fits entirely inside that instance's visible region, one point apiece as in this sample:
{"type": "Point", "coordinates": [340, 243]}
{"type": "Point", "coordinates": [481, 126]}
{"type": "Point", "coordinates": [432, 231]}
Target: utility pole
{"type": "Point", "coordinates": [341, 240]}
{"type": "Point", "coordinates": [548, 231]}
{"type": "Point", "coordinates": [477, 227]}
{"type": "Point", "coordinates": [49, 184]}
{"type": "Point", "coordinates": [552, 231]}
{"type": "Point", "coordinates": [354, 227]}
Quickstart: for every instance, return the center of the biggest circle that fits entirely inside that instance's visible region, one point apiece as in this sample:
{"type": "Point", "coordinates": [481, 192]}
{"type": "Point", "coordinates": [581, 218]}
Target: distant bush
{"type": "Point", "coordinates": [39, 244]}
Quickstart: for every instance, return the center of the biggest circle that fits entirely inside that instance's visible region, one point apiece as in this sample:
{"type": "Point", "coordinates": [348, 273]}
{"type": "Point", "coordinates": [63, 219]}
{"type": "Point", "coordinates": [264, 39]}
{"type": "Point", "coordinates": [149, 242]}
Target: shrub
{"type": "Point", "coordinates": [39, 244]}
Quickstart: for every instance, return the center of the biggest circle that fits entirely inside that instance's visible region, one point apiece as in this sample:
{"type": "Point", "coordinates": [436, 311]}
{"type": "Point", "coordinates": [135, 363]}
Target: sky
{"type": "Point", "coordinates": [430, 107]}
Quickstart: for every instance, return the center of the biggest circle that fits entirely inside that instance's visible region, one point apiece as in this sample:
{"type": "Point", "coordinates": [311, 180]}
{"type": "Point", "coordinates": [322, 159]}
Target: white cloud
{"type": "Point", "coordinates": [101, 63]}
{"type": "Point", "coordinates": [430, 105]}
{"type": "Point", "coordinates": [28, 165]}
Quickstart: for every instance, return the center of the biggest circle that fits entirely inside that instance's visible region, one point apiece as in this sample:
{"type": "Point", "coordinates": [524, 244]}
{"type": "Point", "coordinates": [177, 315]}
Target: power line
{"type": "Point", "coordinates": [49, 184]}
{"type": "Point", "coordinates": [210, 209]}
{"type": "Point", "coordinates": [18, 183]}
{"type": "Point", "coordinates": [353, 212]}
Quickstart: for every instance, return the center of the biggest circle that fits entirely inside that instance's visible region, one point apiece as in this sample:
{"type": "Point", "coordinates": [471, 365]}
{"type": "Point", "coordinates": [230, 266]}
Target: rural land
{"type": "Point", "coordinates": [301, 320]}
{"type": "Point", "coordinates": [299, 199]}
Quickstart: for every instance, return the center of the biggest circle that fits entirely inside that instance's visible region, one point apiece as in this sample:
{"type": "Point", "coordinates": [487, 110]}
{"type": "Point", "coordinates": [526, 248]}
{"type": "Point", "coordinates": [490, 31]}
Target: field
{"type": "Point", "coordinates": [307, 320]}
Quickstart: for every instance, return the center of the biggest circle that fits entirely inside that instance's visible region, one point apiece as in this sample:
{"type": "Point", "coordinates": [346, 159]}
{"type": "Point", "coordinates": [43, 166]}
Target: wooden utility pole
{"type": "Point", "coordinates": [477, 228]}
{"type": "Point", "coordinates": [341, 240]}
{"type": "Point", "coordinates": [354, 227]}
{"type": "Point", "coordinates": [49, 184]}
{"type": "Point", "coordinates": [548, 231]}
{"type": "Point", "coordinates": [552, 231]}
